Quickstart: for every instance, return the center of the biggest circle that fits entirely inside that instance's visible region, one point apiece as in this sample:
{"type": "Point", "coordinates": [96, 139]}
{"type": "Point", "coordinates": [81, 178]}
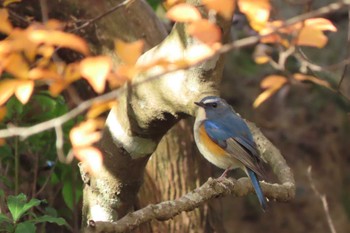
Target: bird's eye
{"type": "Point", "coordinates": [214, 105]}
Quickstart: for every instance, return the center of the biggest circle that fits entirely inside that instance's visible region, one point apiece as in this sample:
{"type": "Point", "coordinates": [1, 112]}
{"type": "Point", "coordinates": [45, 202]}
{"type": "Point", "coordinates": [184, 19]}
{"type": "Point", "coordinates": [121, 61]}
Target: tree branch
{"type": "Point", "coordinates": [209, 190]}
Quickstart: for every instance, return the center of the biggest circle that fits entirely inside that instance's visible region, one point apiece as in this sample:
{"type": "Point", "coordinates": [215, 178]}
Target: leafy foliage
{"type": "Point", "coordinates": [19, 208]}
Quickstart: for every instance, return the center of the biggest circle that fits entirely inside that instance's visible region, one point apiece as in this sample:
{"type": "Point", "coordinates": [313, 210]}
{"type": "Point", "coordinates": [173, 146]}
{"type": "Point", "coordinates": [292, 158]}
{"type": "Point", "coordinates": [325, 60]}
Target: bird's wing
{"type": "Point", "coordinates": [237, 141]}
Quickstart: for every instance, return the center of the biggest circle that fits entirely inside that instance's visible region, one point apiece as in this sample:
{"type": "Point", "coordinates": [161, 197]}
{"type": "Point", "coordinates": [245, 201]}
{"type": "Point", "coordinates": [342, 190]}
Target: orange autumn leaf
{"type": "Point", "coordinates": [312, 32]}
{"type": "Point", "coordinates": [2, 142]}
{"type": "Point", "coordinates": [95, 71]}
{"type": "Point", "coordinates": [24, 90]}
{"type": "Point", "coordinates": [71, 74]}
{"type": "Point", "coordinates": [170, 3]}
{"type": "Point", "coordinates": [273, 81]}
{"type": "Point", "coordinates": [184, 13]}
{"type": "Point", "coordinates": [223, 7]}
{"type": "Point", "coordinates": [90, 156]}
{"type": "Point", "coordinates": [311, 37]}
{"type": "Point", "coordinates": [129, 52]}
{"type": "Point", "coordinates": [59, 39]}
{"type": "Point", "coordinates": [5, 25]}
{"type": "Point", "coordinates": [99, 108]}
{"type": "Point", "coordinates": [264, 96]}
{"type": "Point", "coordinates": [86, 133]}
{"type": "Point", "coordinates": [257, 12]}
{"type": "Point", "coordinates": [42, 73]}
{"type": "Point", "coordinates": [320, 24]}
{"type": "Point", "coordinates": [7, 89]}
{"type": "Point", "coordinates": [304, 77]}
{"type": "Point", "coordinates": [3, 112]}
{"type": "Point", "coordinates": [17, 66]}
{"type": "Point", "coordinates": [8, 2]}
{"type": "Point", "coordinates": [205, 31]}
{"type": "Point", "coordinates": [127, 71]}
{"type": "Point", "coordinates": [272, 84]}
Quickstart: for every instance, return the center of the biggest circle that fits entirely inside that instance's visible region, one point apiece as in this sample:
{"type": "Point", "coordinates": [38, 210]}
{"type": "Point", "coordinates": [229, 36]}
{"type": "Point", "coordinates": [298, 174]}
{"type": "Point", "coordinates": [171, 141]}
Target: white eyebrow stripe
{"type": "Point", "coordinates": [210, 101]}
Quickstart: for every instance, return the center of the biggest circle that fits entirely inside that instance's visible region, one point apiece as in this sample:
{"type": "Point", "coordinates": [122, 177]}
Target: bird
{"type": "Point", "coordinates": [225, 140]}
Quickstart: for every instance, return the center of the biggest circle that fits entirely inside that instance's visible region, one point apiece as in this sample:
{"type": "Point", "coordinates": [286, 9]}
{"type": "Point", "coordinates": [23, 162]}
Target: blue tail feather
{"type": "Point", "coordinates": [257, 188]}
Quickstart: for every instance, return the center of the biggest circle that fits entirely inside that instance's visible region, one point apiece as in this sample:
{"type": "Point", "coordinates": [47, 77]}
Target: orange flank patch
{"type": "Point", "coordinates": [212, 147]}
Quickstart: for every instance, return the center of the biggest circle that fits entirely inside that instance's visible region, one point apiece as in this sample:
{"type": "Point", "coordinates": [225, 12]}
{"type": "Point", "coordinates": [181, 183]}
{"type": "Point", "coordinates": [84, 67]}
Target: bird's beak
{"type": "Point", "coordinates": [200, 104]}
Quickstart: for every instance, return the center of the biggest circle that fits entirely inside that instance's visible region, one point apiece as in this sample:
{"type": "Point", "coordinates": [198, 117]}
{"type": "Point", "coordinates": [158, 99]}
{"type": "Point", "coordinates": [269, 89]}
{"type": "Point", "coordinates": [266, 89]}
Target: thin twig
{"type": "Point", "coordinates": [90, 21]}
{"type": "Point", "coordinates": [345, 70]}
{"type": "Point", "coordinates": [59, 144]}
{"type": "Point", "coordinates": [323, 200]}
{"type": "Point", "coordinates": [44, 11]}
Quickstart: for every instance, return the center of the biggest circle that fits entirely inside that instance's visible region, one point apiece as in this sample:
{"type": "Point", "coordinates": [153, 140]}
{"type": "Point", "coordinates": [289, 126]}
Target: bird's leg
{"type": "Point", "coordinates": [223, 176]}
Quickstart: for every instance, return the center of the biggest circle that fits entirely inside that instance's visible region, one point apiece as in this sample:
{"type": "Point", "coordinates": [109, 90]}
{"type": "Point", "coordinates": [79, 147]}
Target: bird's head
{"type": "Point", "coordinates": [213, 106]}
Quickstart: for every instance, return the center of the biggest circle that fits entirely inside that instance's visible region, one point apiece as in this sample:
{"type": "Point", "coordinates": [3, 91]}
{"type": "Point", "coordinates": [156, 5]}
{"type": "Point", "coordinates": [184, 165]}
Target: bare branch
{"type": "Point", "coordinates": [90, 21]}
{"type": "Point", "coordinates": [347, 53]}
{"type": "Point", "coordinates": [209, 190]}
{"type": "Point", "coordinates": [323, 200]}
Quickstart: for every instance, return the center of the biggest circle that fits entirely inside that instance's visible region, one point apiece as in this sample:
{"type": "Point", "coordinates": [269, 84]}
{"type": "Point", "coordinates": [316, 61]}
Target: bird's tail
{"type": "Point", "coordinates": [257, 188]}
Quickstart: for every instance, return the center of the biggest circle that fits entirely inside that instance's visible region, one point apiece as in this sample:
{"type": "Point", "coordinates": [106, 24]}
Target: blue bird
{"type": "Point", "coordinates": [225, 140]}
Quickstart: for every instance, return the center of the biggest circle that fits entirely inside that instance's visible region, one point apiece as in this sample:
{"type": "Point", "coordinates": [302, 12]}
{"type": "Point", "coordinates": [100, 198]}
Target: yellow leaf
{"type": "Point", "coordinates": [24, 90]}
{"type": "Point", "coordinates": [264, 96]}
{"type": "Point", "coordinates": [129, 52]}
{"type": "Point", "coordinates": [95, 70]}
{"type": "Point", "coordinates": [3, 112]}
{"type": "Point", "coordinates": [320, 24]}
{"type": "Point", "coordinates": [257, 12]}
{"type": "Point", "coordinates": [205, 31]}
{"type": "Point", "coordinates": [99, 108]}
{"type": "Point", "coordinates": [273, 81]}
{"type": "Point", "coordinates": [7, 88]}
{"type": "Point", "coordinates": [5, 25]}
{"type": "Point", "coordinates": [17, 66]}
{"type": "Point", "coordinates": [86, 133]}
{"type": "Point", "coordinates": [184, 13]}
{"type": "Point", "coordinates": [170, 3]}
{"type": "Point", "coordinates": [311, 37]}
{"type": "Point", "coordinates": [42, 73]}
{"type": "Point", "coordinates": [57, 87]}
{"type": "Point", "coordinates": [90, 156]}
{"type": "Point", "coordinates": [272, 84]}
{"type": "Point", "coordinates": [59, 39]}
{"type": "Point", "coordinates": [8, 2]}
{"type": "Point", "coordinates": [223, 7]}
{"type": "Point", "coordinates": [127, 72]}
{"type": "Point", "coordinates": [304, 77]}
{"type": "Point", "coordinates": [312, 32]}
{"type": "Point", "coordinates": [71, 74]}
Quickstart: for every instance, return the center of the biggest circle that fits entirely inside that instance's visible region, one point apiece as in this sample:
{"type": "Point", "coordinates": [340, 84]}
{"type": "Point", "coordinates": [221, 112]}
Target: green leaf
{"type": "Point", "coordinates": [67, 193]}
{"type": "Point", "coordinates": [18, 205]}
{"type": "Point", "coordinates": [25, 227]}
{"type": "Point", "coordinates": [50, 219]}
{"type": "Point", "coordinates": [4, 217]}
